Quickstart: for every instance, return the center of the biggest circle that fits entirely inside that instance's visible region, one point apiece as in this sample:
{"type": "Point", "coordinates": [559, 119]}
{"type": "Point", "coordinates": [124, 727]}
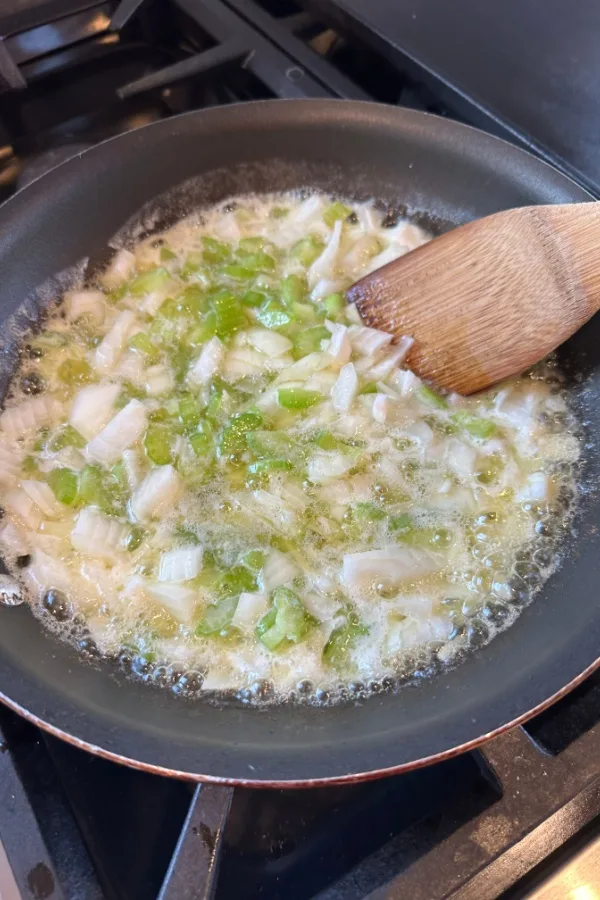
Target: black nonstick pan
{"type": "Point", "coordinates": [445, 174]}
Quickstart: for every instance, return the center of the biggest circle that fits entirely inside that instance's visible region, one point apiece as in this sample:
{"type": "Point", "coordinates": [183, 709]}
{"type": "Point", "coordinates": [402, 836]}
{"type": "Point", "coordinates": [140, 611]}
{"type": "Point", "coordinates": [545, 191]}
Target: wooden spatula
{"type": "Point", "coordinates": [491, 298]}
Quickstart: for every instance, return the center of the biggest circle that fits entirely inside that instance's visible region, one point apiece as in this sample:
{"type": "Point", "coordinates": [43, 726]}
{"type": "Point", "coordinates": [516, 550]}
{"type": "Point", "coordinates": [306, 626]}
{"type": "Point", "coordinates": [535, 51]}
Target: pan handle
{"type": "Point", "coordinates": [194, 867]}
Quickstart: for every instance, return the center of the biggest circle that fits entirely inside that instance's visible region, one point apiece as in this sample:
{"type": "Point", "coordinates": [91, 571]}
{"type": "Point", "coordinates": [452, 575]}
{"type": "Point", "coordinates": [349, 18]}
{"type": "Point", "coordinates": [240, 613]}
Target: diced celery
{"type": "Point", "coordinates": [119, 483]}
{"type": "Point", "coordinates": [326, 441]}
{"type": "Point", "coordinates": [368, 512]}
{"type": "Point", "coordinates": [298, 398]}
{"type": "Point", "coordinates": [129, 392]}
{"type": "Point", "coordinates": [492, 468]}
{"type": "Point", "coordinates": [194, 300]}
{"type": "Point", "coordinates": [279, 212]}
{"type": "Point", "coordinates": [203, 332]}
{"type": "Point", "coordinates": [188, 411]}
{"type": "Point", "coordinates": [431, 398]}
{"type": "Point", "coordinates": [134, 538]}
{"type": "Point", "coordinates": [202, 440]}
{"type": "Point", "coordinates": [29, 466]}
{"type": "Point", "coordinates": [370, 388]}
{"type": "Point", "coordinates": [160, 415]}
{"type": "Point", "coordinates": [64, 485]}
{"type": "Point", "coordinates": [253, 298]}
{"type": "Point", "coordinates": [304, 312]}
{"type": "Point", "coordinates": [293, 289]}
{"type": "Point", "coordinates": [287, 620]}
{"type": "Point", "coordinates": [169, 309]}
{"type": "Point", "coordinates": [266, 466]}
{"type": "Point", "coordinates": [192, 265]}
{"type": "Point", "coordinates": [336, 212]}
{"type": "Point", "coordinates": [475, 425]}
{"type": "Point", "coordinates": [258, 262]}
{"type": "Point", "coordinates": [214, 410]}
{"type": "Point", "coordinates": [254, 560]}
{"type": "Point", "coordinates": [274, 445]}
{"type": "Point", "coordinates": [233, 437]}
{"type": "Point", "coordinates": [166, 254]}
{"type": "Point", "coordinates": [236, 580]}
{"type": "Point", "coordinates": [92, 489]}
{"type": "Point", "coordinates": [215, 251]}
{"type": "Point", "coordinates": [229, 316]}
{"type": "Point", "coordinates": [217, 617]}
{"type": "Point", "coordinates": [402, 524]}
{"type": "Point", "coordinates": [341, 641]}
{"type": "Point", "coordinates": [66, 436]}
{"type": "Point", "coordinates": [333, 305]}
{"type": "Point", "coordinates": [188, 537]}
{"type": "Point", "coordinates": [74, 371]}
{"type": "Point", "coordinates": [272, 314]}
{"type": "Point", "coordinates": [309, 341]}
{"type": "Point", "coordinates": [158, 443]}
{"type": "Point", "coordinates": [307, 250]}
{"type": "Point", "coordinates": [141, 343]}
{"type": "Point", "coordinates": [179, 359]}
{"type": "Point", "coordinates": [238, 272]}
{"type": "Point", "coordinates": [40, 441]}
{"type": "Point", "coordinates": [250, 245]}
{"type": "Point", "coordinates": [149, 281]}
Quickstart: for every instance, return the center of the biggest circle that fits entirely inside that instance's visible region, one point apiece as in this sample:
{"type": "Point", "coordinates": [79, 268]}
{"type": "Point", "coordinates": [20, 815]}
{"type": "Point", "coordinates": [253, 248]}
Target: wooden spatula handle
{"type": "Point", "coordinates": [491, 298]}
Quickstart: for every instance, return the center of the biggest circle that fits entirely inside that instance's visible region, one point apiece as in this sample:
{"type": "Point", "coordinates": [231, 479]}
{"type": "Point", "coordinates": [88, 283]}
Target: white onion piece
{"type": "Point", "coordinates": [391, 360]}
{"type": "Point", "coordinates": [181, 564]}
{"type": "Point", "coordinates": [324, 265]}
{"type": "Point", "coordinates": [275, 509]}
{"type": "Point", "coordinates": [92, 408]}
{"type": "Point", "coordinates": [345, 389]}
{"type": "Point", "coordinates": [97, 535]}
{"type": "Point", "coordinates": [10, 464]}
{"type": "Point", "coordinates": [16, 421]}
{"type": "Point", "coordinates": [180, 601]}
{"type": "Point", "coordinates": [406, 381]}
{"type": "Point", "coordinates": [19, 504]}
{"type": "Point", "coordinates": [208, 364]}
{"type": "Point", "coordinates": [42, 496]}
{"type": "Point", "coordinates": [160, 489]}
{"type": "Point", "coordinates": [461, 458]}
{"type": "Point", "coordinates": [339, 348]}
{"type": "Point", "coordinates": [362, 250]}
{"type": "Point", "coordinates": [326, 466]}
{"type": "Point", "coordinates": [536, 488]}
{"type": "Point", "coordinates": [113, 343]}
{"type": "Point", "coordinates": [121, 432]}
{"type": "Point", "coordinates": [391, 252]}
{"type": "Point", "coordinates": [85, 303]}
{"type": "Point", "coordinates": [268, 342]}
{"type": "Point", "coordinates": [12, 540]}
{"type": "Point", "coordinates": [121, 268]}
{"type": "Point", "coordinates": [133, 468]}
{"type": "Point", "coordinates": [243, 362]}
{"type": "Point", "coordinates": [250, 608]}
{"type": "Point", "coordinates": [326, 286]}
{"type": "Point", "coordinates": [279, 569]}
{"type": "Point", "coordinates": [391, 565]}
{"type": "Point", "coordinates": [368, 341]}
{"type": "Point", "coordinates": [381, 408]}
{"type": "Point", "coordinates": [304, 368]}
{"type": "Point", "coordinates": [159, 380]}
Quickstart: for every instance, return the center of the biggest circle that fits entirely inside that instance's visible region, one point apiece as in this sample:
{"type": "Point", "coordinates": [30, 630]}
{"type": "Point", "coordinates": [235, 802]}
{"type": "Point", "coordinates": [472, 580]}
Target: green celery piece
{"type": "Point", "coordinates": [158, 442]}
{"type": "Point", "coordinates": [235, 581]}
{"type": "Point", "coordinates": [272, 314]}
{"type": "Point", "coordinates": [64, 485]}
{"type": "Point", "coordinates": [40, 441]}
{"type": "Point", "coordinates": [66, 436]}
{"type": "Point", "coordinates": [193, 263]}
{"type": "Point", "coordinates": [202, 439]}
{"type": "Point", "coordinates": [194, 300]}
{"type": "Point", "coordinates": [233, 437]}
{"type": "Point", "coordinates": [93, 490]}
{"type": "Point", "coordinates": [274, 445]}
{"type": "Point", "coordinates": [475, 425]}
{"type": "Point", "coordinates": [326, 441]}
{"type": "Point", "coordinates": [298, 398]}
{"type": "Point", "coordinates": [217, 617]}
{"type": "Point", "coordinates": [430, 398]}
{"type": "Point", "coordinates": [214, 251]}
{"type": "Point", "coordinates": [307, 250]}
{"type": "Point", "coordinates": [309, 341]}
{"type": "Point", "coordinates": [258, 261]}
{"type": "Point", "coordinates": [203, 332]}
{"type": "Point", "coordinates": [141, 343]}
{"type": "Point", "coordinates": [29, 466]}
{"type": "Point", "coordinates": [250, 245]}
{"type": "Point", "coordinates": [368, 512]}
{"type": "Point", "coordinates": [333, 305]}
{"type": "Point", "coordinates": [134, 538]}
{"type": "Point", "coordinates": [186, 536]}
{"type": "Point", "coordinates": [279, 212]}
{"type": "Point", "coordinates": [188, 411]}
{"type": "Point", "coordinates": [293, 289]}
{"type": "Point", "coordinates": [149, 281]}
{"type": "Point", "coordinates": [253, 298]}
{"type": "Point", "coordinates": [335, 212]}
{"type": "Point", "coordinates": [304, 313]}
{"type": "Point", "coordinates": [266, 466]}
{"type": "Point", "coordinates": [288, 620]}
{"type": "Point", "coordinates": [493, 467]}
{"type": "Point", "coordinates": [254, 560]}
{"type": "Point", "coordinates": [119, 483]}
{"type": "Point", "coordinates": [402, 524]}
{"type": "Point", "coordinates": [129, 392]}
{"type": "Point", "coordinates": [237, 272]}
{"type": "Point", "coordinates": [229, 316]}
{"type": "Point", "coordinates": [213, 411]}
{"type": "Point", "coordinates": [166, 254]}
{"type": "Point", "coordinates": [370, 388]}
{"type": "Point", "coordinates": [159, 415]}
{"type": "Point", "coordinates": [74, 371]}
{"type": "Point", "coordinates": [170, 310]}
{"type": "Point", "coordinates": [406, 531]}
{"type": "Point", "coordinates": [341, 642]}
{"type": "Point", "coordinates": [179, 359]}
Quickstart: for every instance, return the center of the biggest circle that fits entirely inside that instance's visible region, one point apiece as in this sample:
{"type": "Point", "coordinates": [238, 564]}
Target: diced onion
{"type": "Point", "coordinates": [208, 364]}
{"type": "Point", "coordinates": [391, 565]}
{"type": "Point", "coordinates": [97, 535]}
{"type": "Point", "coordinates": [182, 564]}
{"type": "Point", "coordinates": [16, 421]}
{"type": "Point", "coordinates": [159, 489]}
{"type": "Point", "coordinates": [121, 432]}
{"type": "Point", "coordinates": [92, 408]}
{"type": "Point", "coordinates": [113, 343]}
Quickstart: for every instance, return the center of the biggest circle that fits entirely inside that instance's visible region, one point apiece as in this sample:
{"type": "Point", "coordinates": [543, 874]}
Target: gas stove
{"type": "Point", "coordinates": [517, 819]}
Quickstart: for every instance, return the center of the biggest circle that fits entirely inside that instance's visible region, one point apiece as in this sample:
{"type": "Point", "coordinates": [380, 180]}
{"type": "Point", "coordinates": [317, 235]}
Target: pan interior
{"type": "Point", "coordinates": [443, 174]}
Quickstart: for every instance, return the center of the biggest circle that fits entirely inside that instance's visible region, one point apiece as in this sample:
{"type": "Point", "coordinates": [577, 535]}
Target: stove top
{"type": "Point", "coordinates": [516, 819]}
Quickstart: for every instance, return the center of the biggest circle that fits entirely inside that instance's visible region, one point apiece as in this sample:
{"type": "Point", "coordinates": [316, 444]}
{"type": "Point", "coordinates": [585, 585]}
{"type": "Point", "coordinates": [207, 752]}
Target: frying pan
{"type": "Point", "coordinates": [446, 174]}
